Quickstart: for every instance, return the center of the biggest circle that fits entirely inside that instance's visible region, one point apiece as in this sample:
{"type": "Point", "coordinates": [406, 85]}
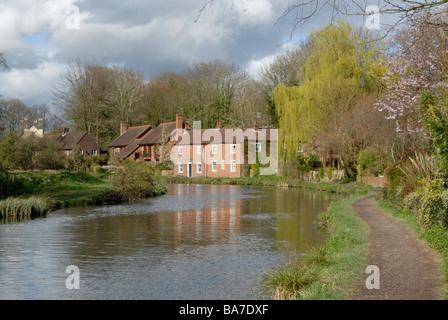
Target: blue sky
{"type": "Point", "coordinates": [41, 37]}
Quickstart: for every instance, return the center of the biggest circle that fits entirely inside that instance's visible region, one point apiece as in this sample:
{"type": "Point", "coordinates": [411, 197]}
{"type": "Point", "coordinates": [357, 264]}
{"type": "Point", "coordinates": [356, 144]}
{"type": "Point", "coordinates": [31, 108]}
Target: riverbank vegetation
{"type": "Point", "coordinates": [63, 188]}
{"type": "Point", "coordinates": [342, 187]}
{"type": "Point", "coordinates": [327, 272]}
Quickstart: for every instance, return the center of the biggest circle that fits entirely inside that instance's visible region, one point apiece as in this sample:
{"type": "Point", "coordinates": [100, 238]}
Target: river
{"type": "Point", "coordinates": [196, 242]}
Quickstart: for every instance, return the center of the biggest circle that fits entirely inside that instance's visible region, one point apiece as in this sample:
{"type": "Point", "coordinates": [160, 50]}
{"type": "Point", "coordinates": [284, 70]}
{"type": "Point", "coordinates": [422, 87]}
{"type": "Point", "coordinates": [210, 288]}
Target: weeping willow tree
{"type": "Point", "coordinates": [344, 63]}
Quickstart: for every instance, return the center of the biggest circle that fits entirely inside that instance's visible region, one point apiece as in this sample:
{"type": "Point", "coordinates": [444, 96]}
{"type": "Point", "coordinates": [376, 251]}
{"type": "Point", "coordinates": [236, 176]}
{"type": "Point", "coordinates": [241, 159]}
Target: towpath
{"type": "Point", "coordinates": [408, 268]}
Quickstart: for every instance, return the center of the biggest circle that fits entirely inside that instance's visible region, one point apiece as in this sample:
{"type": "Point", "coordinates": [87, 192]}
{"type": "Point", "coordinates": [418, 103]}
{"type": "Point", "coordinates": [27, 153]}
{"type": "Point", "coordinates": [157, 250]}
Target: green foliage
{"type": "Point", "coordinates": [76, 160]}
{"type": "Point", "coordinates": [309, 162]}
{"type": "Point", "coordinates": [134, 181]}
{"type": "Point", "coordinates": [436, 120]}
{"type": "Point", "coordinates": [23, 207]}
{"type": "Point", "coordinates": [370, 162]}
{"type": "Point", "coordinates": [342, 65]}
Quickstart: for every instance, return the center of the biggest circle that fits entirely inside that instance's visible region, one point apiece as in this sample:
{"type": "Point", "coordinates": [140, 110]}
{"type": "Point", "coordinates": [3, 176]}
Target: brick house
{"type": "Point", "coordinates": [219, 152]}
{"type": "Point", "coordinates": [68, 140]}
{"type": "Point", "coordinates": [126, 146]}
{"type": "Point", "coordinates": [145, 143]}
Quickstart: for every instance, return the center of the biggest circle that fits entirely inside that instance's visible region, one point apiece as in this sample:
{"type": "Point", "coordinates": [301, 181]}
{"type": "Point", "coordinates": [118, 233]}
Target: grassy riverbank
{"type": "Point", "coordinates": [330, 271]}
{"type": "Point", "coordinates": [345, 188]}
{"type": "Point", "coordinates": [75, 188]}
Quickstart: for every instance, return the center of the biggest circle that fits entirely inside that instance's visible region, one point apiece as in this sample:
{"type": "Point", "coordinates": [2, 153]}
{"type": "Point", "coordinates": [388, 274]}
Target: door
{"type": "Point", "coordinates": [190, 169]}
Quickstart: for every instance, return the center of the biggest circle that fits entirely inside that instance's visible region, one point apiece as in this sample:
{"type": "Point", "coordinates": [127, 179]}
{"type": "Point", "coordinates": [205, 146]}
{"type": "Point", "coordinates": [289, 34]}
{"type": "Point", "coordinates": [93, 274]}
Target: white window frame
{"type": "Point", "coordinates": [233, 148]}
{"type": "Point", "coordinates": [180, 167]}
{"type": "Point", "coordinates": [223, 164]}
{"type": "Point", "coordinates": [214, 149]}
{"type": "Point", "coordinates": [258, 147]}
{"type": "Point", "coordinates": [214, 165]}
{"type": "Point", "coordinates": [180, 150]}
{"type": "Point", "coordinates": [199, 167]}
{"type": "Point", "coordinates": [67, 152]}
{"type": "Point", "coordinates": [94, 153]}
{"type": "Point", "coordinates": [233, 165]}
{"type": "Point", "coordinates": [198, 150]}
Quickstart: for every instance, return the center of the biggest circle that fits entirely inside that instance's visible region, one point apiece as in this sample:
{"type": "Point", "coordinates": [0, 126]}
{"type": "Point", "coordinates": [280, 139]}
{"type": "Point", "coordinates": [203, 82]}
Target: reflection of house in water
{"type": "Point", "coordinates": [217, 224]}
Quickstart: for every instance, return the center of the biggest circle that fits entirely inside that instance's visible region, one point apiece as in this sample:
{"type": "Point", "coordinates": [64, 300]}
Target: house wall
{"type": "Point", "coordinates": [206, 158]}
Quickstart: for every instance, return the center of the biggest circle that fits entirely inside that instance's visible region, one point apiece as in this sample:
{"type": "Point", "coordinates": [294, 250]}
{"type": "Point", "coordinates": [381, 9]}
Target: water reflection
{"type": "Point", "coordinates": [196, 242]}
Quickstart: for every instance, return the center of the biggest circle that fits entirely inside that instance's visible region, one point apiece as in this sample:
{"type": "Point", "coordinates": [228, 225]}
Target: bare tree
{"type": "Point", "coordinates": [403, 11]}
{"type": "Point", "coordinates": [3, 63]}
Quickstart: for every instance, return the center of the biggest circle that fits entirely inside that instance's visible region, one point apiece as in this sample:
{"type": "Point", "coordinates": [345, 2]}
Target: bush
{"type": "Point", "coordinates": [134, 181]}
{"type": "Point", "coordinates": [433, 211]}
{"type": "Point", "coordinates": [370, 162]}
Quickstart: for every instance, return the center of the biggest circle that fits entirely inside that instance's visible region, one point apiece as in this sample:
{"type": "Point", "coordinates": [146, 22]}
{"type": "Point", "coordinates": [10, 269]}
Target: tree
{"type": "Point", "coordinates": [342, 65]}
{"type": "Point", "coordinates": [97, 98]}
{"type": "Point", "coordinates": [418, 65]}
{"type": "Point", "coordinates": [3, 63]}
{"type": "Point", "coordinates": [403, 11]}
{"type": "Point", "coordinates": [285, 69]}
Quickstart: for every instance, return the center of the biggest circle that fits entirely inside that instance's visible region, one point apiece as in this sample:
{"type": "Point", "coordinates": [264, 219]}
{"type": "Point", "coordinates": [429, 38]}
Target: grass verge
{"type": "Point", "coordinates": [347, 188]}
{"type": "Point", "coordinates": [328, 272]}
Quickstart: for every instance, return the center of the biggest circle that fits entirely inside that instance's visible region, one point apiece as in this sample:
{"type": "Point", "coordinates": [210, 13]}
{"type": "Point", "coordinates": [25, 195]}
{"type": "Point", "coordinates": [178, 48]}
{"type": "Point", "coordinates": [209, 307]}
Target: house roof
{"type": "Point", "coordinates": [126, 152]}
{"type": "Point", "coordinates": [226, 135]}
{"type": "Point", "coordinates": [69, 140]}
{"type": "Point", "coordinates": [155, 135]}
{"type": "Point", "coordinates": [130, 135]}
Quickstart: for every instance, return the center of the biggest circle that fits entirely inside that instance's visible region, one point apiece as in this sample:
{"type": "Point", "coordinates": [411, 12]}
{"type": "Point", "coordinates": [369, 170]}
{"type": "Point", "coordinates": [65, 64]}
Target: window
{"type": "Point", "coordinates": [232, 148]}
{"type": "Point", "coordinates": [233, 165]}
{"type": "Point", "coordinates": [198, 149]}
{"type": "Point", "coordinates": [214, 149]}
{"type": "Point", "coordinates": [258, 147]}
{"type": "Point", "coordinates": [94, 153]}
{"type": "Point", "coordinates": [180, 149]}
{"type": "Point", "coordinates": [300, 148]}
{"type": "Point", "coordinates": [223, 164]}
{"type": "Point", "coordinates": [214, 165]}
{"type": "Point", "coordinates": [68, 152]}
{"type": "Point", "coordinates": [181, 167]}
{"type": "Point", "coordinates": [199, 167]}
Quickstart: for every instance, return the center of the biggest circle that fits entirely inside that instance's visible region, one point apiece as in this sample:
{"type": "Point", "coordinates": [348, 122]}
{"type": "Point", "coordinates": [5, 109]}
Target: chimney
{"type": "Point", "coordinates": [65, 131]}
{"type": "Point", "coordinates": [218, 124]}
{"type": "Point", "coordinates": [255, 125]}
{"type": "Point", "coordinates": [123, 127]}
{"type": "Point", "coordinates": [179, 125]}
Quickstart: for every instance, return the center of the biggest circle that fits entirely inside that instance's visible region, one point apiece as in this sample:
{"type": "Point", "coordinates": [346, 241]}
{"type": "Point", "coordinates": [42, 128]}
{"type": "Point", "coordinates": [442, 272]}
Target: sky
{"type": "Point", "coordinates": [40, 38]}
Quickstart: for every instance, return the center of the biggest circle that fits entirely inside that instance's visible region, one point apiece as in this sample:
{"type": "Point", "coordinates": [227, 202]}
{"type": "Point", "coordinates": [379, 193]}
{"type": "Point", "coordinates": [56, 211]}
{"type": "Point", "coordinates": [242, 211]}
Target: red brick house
{"type": "Point", "coordinates": [221, 152]}
{"type": "Point", "coordinates": [145, 143]}
{"type": "Point", "coordinates": [126, 146]}
{"type": "Point", "coordinates": [68, 140]}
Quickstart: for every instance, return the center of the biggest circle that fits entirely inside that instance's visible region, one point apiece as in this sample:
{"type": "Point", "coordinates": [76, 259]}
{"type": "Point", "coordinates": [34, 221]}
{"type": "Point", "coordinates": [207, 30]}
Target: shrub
{"type": "Point", "coordinates": [134, 181]}
{"type": "Point", "coordinates": [370, 162]}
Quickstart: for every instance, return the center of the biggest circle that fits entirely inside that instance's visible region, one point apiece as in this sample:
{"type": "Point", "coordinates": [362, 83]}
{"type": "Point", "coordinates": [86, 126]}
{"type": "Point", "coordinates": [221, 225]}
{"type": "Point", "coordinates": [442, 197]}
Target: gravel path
{"type": "Point", "coordinates": [408, 268]}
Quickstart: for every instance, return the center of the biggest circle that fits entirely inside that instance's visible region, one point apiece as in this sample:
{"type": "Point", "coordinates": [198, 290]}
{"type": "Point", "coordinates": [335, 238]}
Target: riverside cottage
{"type": "Point", "coordinates": [222, 152]}
{"type": "Point", "coordinates": [68, 140]}
{"type": "Point", "coordinates": [145, 143]}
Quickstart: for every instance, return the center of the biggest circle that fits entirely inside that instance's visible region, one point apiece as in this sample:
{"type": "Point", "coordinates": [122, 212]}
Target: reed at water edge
{"type": "Point", "coordinates": [24, 207]}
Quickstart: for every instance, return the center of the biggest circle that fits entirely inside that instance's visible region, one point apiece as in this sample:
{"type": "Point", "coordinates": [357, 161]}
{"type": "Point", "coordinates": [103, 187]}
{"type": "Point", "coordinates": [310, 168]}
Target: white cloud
{"type": "Point", "coordinates": [33, 86]}
{"type": "Point", "coordinates": [256, 12]}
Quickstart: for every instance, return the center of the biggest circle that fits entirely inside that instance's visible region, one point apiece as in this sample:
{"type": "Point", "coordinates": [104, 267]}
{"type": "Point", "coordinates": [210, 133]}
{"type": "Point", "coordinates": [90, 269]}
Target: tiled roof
{"type": "Point", "coordinates": [69, 140]}
{"type": "Point", "coordinates": [126, 152]}
{"type": "Point", "coordinates": [130, 135]}
{"type": "Point", "coordinates": [156, 134]}
{"type": "Point", "coordinates": [226, 135]}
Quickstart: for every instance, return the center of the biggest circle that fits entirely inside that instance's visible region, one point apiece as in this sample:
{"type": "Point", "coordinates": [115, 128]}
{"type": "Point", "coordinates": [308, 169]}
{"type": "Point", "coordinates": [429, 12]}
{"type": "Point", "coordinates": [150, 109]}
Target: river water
{"type": "Point", "coordinates": [196, 242]}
